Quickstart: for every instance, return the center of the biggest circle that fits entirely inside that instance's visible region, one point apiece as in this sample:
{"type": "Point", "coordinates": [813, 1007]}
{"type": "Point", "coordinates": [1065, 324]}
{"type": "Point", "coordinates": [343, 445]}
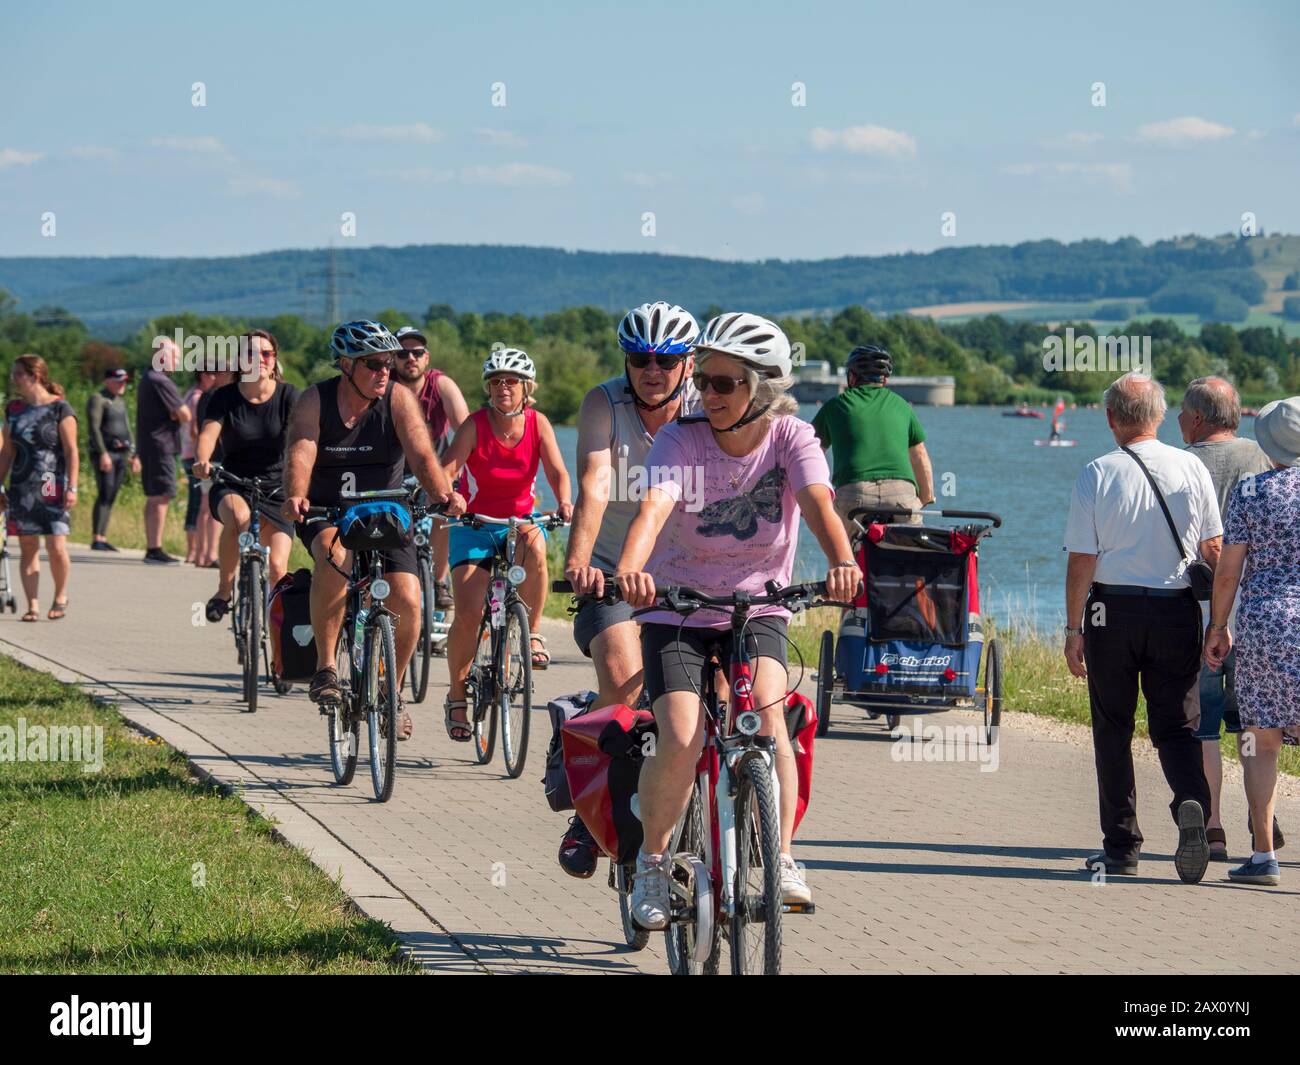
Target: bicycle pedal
{"type": "Point", "coordinates": [798, 907]}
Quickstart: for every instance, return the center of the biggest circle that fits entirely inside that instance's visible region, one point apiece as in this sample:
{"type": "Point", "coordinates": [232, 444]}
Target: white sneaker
{"type": "Point", "coordinates": [794, 891]}
{"type": "Point", "coordinates": [650, 893]}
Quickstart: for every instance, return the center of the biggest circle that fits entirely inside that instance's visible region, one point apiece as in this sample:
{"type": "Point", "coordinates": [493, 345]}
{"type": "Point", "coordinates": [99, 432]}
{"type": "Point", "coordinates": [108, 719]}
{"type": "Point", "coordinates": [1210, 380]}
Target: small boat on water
{"type": "Point", "coordinates": [1056, 443]}
{"type": "Point", "coordinates": [1023, 412]}
{"type": "Point", "coordinates": [1057, 425]}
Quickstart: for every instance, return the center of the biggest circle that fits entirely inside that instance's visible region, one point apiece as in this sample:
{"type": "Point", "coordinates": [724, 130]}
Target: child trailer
{"type": "Point", "coordinates": [914, 640]}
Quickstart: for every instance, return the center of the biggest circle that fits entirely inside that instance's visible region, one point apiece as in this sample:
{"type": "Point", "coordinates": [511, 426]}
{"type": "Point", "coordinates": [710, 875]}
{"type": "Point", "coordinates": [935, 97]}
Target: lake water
{"type": "Point", "coordinates": [995, 466]}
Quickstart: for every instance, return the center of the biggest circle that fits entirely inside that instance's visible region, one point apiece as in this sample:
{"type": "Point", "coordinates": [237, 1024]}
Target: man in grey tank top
{"type": "Point", "coordinates": [617, 424]}
{"type": "Point", "coordinates": [1209, 418]}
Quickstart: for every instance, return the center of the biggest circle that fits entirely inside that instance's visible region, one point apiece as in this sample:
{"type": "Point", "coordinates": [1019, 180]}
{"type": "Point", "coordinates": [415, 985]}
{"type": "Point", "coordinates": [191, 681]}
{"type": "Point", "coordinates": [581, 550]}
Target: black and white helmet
{"type": "Point", "coordinates": [658, 327]}
{"type": "Point", "coordinates": [356, 340]}
{"type": "Point", "coordinates": [750, 338]}
{"type": "Point", "coordinates": [510, 360]}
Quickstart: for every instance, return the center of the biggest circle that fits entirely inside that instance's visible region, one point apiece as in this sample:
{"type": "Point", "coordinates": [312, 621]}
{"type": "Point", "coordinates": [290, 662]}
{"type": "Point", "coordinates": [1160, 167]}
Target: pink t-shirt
{"type": "Point", "coordinates": [736, 522]}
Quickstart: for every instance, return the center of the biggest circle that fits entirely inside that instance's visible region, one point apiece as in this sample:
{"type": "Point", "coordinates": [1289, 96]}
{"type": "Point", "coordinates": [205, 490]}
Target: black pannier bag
{"type": "Point", "coordinates": [293, 646]}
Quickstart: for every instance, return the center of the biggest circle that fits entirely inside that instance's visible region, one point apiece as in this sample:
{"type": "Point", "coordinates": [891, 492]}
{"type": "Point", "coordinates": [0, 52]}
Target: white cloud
{"type": "Point", "coordinates": [865, 140]}
{"type": "Point", "coordinates": [645, 180]}
{"type": "Point", "coordinates": [15, 157]}
{"type": "Point", "coordinates": [90, 151]}
{"type": "Point", "coordinates": [1181, 132]}
{"type": "Point", "coordinates": [500, 138]}
{"type": "Point", "coordinates": [414, 133]}
{"type": "Point", "coordinates": [749, 203]}
{"type": "Point", "coordinates": [516, 174]}
{"type": "Point", "coordinates": [274, 188]}
{"type": "Point", "coordinates": [200, 145]}
{"type": "Point", "coordinates": [1118, 175]}
{"type": "Point", "coordinates": [414, 175]}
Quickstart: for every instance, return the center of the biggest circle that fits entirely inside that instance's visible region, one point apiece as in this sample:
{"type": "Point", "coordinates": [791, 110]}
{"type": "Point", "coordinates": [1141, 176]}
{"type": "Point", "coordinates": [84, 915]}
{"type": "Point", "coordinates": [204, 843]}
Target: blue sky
{"type": "Point", "coordinates": [614, 110]}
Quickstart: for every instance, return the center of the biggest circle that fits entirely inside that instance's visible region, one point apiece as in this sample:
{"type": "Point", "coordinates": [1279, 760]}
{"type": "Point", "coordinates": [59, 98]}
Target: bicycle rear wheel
{"type": "Point", "coordinates": [480, 697]}
{"type": "Point", "coordinates": [419, 667]}
{"type": "Point", "coordinates": [515, 696]}
{"type": "Point", "coordinates": [252, 603]}
{"type": "Point", "coordinates": [381, 692]}
{"type": "Point", "coordinates": [344, 730]}
{"type": "Point", "coordinates": [681, 937]}
{"type": "Point", "coordinates": [756, 918]}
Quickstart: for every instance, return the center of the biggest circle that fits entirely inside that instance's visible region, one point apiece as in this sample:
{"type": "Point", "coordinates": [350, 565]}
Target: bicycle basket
{"type": "Point", "coordinates": [381, 525]}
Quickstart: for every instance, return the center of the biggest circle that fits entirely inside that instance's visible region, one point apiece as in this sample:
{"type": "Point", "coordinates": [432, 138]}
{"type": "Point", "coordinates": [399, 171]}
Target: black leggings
{"type": "Point", "coordinates": [107, 485]}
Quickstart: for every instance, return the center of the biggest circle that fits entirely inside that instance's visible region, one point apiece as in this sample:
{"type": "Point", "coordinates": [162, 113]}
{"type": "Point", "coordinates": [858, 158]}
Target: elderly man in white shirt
{"type": "Point", "coordinates": [1133, 620]}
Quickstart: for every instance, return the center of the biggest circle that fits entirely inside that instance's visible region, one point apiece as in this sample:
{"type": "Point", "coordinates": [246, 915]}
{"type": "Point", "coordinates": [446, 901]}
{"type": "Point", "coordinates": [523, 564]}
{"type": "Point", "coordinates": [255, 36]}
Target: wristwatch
{"type": "Point", "coordinates": [1217, 628]}
{"type": "Point", "coordinates": [850, 564]}
{"type": "Point", "coordinates": [1073, 632]}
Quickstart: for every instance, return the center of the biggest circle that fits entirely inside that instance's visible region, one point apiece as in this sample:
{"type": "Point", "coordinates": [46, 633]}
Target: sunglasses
{"type": "Point", "coordinates": [377, 365]}
{"type": "Point", "coordinates": [511, 381]}
{"type": "Point", "coordinates": [723, 386]}
{"type": "Point", "coordinates": [414, 353]}
{"type": "Point", "coordinates": [639, 360]}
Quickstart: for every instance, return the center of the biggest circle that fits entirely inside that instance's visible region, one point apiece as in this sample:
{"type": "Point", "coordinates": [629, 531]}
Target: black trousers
{"type": "Point", "coordinates": [1151, 643]}
{"type": "Point", "coordinates": [106, 488]}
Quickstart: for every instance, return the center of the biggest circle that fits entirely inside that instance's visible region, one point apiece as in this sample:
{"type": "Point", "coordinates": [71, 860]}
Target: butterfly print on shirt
{"type": "Point", "coordinates": [738, 516]}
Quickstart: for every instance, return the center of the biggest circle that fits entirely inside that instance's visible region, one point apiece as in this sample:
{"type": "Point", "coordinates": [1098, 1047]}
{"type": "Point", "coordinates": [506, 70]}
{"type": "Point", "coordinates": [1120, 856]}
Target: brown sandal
{"type": "Point", "coordinates": [58, 611]}
{"type": "Point", "coordinates": [32, 615]}
{"type": "Point", "coordinates": [1213, 836]}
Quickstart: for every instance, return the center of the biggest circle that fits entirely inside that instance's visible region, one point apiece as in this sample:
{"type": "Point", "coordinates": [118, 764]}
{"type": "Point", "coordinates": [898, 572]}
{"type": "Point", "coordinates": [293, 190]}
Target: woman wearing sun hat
{"type": "Point", "coordinates": [1262, 538]}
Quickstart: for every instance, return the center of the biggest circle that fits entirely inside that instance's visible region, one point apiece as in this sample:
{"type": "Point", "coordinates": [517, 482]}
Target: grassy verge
{"type": "Point", "coordinates": [126, 524]}
{"type": "Point", "coordinates": [137, 868]}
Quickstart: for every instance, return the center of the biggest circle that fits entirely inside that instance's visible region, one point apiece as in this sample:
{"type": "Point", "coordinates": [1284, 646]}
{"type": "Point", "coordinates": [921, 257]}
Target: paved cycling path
{"type": "Point", "coordinates": [917, 866]}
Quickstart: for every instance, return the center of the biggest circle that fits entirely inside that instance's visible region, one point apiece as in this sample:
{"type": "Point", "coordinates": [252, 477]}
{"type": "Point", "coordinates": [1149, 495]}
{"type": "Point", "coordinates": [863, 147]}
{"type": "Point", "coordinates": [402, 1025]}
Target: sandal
{"type": "Point", "coordinates": [324, 688]}
{"type": "Point", "coordinates": [58, 610]}
{"type": "Point", "coordinates": [1219, 853]}
{"type": "Point", "coordinates": [216, 609]}
{"type": "Point", "coordinates": [542, 658]}
{"type": "Point", "coordinates": [32, 615]}
{"type": "Point", "coordinates": [453, 726]}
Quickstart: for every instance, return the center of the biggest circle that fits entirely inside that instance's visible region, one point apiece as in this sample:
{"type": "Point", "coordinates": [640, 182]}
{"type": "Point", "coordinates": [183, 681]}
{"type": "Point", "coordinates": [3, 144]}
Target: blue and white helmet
{"type": "Point", "coordinates": [510, 360]}
{"type": "Point", "coordinates": [658, 327]}
{"type": "Point", "coordinates": [356, 340]}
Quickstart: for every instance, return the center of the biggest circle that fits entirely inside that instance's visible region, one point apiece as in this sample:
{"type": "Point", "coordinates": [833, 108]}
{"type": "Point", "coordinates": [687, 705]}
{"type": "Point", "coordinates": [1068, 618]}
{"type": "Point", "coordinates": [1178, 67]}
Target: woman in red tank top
{"type": "Point", "coordinates": [496, 453]}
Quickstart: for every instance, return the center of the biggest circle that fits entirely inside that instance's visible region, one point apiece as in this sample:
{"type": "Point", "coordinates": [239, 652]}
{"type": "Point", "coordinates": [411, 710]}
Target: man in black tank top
{"type": "Point", "coordinates": [356, 433]}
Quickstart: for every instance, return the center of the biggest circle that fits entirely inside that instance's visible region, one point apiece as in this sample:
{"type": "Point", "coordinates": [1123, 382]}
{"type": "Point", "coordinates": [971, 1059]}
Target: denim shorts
{"type": "Point", "coordinates": [477, 547]}
{"type": "Point", "coordinates": [594, 617]}
{"type": "Point", "coordinates": [1219, 699]}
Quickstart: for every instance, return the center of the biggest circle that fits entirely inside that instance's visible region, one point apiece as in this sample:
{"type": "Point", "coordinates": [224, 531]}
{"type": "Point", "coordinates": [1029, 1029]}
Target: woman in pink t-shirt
{"type": "Point", "coordinates": [721, 514]}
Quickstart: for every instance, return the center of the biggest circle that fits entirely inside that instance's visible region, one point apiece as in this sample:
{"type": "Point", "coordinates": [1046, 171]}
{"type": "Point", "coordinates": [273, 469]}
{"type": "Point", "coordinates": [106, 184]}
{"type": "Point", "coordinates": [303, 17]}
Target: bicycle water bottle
{"type": "Point", "coordinates": [359, 639]}
{"type": "Point", "coordinates": [498, 602]}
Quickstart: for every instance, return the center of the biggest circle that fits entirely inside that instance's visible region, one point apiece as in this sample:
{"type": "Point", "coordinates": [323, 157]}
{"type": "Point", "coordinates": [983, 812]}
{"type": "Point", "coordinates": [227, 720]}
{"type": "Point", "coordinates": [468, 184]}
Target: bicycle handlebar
{"type": "Point", "coordinates": [681, 598]}
{"type": "Point", "coordinates": [982, 515]}
{"type": "Point", "coordinates": [348, 498]}
{"type": "Point", "coordinates": [257, 484]}
{"type": "Point", "coordinates": [549, 521]}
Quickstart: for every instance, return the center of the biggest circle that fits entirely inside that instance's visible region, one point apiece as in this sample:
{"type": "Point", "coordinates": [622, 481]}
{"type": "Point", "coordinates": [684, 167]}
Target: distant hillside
{"type": "Point", "coordinates": [1215, 278]}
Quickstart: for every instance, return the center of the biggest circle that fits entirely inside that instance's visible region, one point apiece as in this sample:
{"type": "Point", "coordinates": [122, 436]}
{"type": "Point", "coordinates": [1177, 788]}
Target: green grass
{"type": "Point", "coordinates": [98, 870]}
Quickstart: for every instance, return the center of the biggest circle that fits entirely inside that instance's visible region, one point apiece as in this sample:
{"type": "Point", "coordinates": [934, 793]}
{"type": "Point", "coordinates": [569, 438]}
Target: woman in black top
{"type": "Point", "coordinates": [248, 420]}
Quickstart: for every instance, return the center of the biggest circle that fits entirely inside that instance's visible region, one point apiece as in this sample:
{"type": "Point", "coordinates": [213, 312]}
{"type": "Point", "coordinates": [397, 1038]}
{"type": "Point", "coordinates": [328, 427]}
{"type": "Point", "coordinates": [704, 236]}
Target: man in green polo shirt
{"type": "Point", "coordinates": [878, 446]}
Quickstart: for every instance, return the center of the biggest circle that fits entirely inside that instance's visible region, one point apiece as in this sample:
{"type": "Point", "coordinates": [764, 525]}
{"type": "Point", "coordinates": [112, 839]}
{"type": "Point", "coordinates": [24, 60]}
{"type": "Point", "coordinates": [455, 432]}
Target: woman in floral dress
{"type": "Point", "coordinates": [1262, 537]}
{"type": "Point", "coordinates": [40, 459]}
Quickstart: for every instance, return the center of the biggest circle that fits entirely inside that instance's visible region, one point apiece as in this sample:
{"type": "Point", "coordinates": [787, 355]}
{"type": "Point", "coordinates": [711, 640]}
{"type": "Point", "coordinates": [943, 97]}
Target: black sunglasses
{"type": "Point", "coordinates": [413, 353]}
{"type": "Point", "coordinates": [639, 360]}
{"type": "Point", "coordinates": [723, 386]}
{"type": "Point", "coordinates": [377, 365]}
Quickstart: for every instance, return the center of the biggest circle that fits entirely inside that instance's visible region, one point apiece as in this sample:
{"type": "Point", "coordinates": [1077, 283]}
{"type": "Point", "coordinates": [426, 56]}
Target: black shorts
{"type": "Point", "coordinates": [676, 658]}
{"type": "Point", "coordinates": [396, 560]}
{"type": "Point", "coordinates": [594, 617]}
{"type": "Point", "coordinates": [270, 509]}
{"type": "Point", "coordinates": [157, 473]}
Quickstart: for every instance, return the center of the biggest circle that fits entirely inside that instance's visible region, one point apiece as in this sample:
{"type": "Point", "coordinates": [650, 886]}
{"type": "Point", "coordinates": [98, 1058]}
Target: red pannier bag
{"type": "Point", "coordinates": [603, 750]}
{"type": "Point", "coordinates": [602, 759]}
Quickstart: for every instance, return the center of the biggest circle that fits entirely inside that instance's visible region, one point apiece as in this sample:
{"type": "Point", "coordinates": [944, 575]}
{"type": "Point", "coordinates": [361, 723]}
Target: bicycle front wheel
{"type": "Point", "coordinates": [343, 728]}
{"type": "Point", "coordinates": [480, 697]}
{"type": "Point", "coordinates": [419, 667]}
{"type": "Point", "coordinates": [515, 692]}
{"type": "Point", "coordinates": [252, 603]}
{"type": "Point", "coordinates": [381, 694]}
{"type": "Point", "coordinates": [756, 916]}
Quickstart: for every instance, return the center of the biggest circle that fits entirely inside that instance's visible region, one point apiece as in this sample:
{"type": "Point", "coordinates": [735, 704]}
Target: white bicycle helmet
{"type": "Point", "coordinates": [510, 360]}
{"type": "Point", "coordinates": [356, 340]}
{"type": "Point", "coordinates": [658, 327]}
{"type": "Point", "coordinates": [750, 338]}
